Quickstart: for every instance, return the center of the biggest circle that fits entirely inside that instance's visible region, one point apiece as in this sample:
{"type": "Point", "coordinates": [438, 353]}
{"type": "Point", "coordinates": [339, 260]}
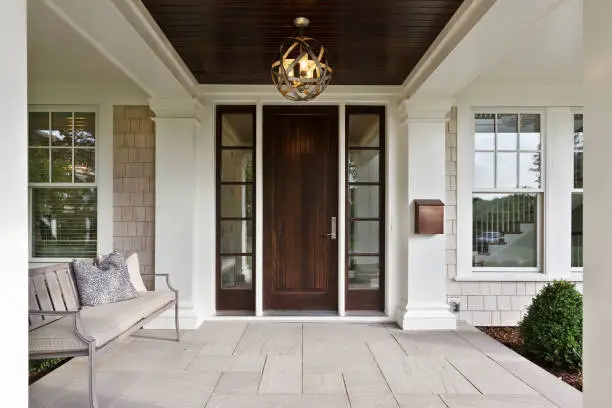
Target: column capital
{"type": "Point", "coordinates": [166, 108]}
{"type": "Point", "coordinates": [433, 110]}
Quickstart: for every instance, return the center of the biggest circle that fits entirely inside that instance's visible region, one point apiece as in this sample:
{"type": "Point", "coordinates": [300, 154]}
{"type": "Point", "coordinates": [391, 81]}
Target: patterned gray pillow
{"type": "Point", "coordinates": [108, 282]}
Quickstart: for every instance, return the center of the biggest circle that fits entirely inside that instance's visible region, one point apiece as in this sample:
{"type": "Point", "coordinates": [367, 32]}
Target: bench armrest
{"type": "Point", "coordinates": [76, 316]}
{"type": "Point", "coordinates": [167, 276]}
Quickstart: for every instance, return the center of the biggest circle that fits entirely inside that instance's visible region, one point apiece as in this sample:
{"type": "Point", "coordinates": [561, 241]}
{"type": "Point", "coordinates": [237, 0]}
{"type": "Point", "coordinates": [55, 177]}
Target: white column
{"type": "Point", "coordinates": [14, 187]}
{"type": "Point", "coordinates": [176, 127]}
{"type": "Point", "coordinates": [559, 180]}
{"type": "Point", "coordinates": [597, 199]}
{"type": "Point", "coordinates": [425, 296]}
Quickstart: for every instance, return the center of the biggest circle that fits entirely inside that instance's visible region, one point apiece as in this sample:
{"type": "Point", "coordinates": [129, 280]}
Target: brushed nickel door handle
{"type": "Point", "coordinates": [332, 234]}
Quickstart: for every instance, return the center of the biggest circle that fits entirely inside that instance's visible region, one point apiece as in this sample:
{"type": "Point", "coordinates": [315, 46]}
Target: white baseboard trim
{"type": "Point", "coordinates": [430, 317]}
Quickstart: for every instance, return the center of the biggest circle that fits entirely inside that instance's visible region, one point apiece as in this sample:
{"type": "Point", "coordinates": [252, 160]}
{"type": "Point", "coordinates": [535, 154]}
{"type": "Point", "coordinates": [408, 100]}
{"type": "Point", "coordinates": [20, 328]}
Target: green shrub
{"type": "Point", "coordinates": [552, 327]}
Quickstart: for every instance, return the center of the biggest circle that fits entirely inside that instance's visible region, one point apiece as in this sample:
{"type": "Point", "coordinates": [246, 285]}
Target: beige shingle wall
{"type": "Point", "coordinates": [134, 185]}
{"type": "Point", "coordinates": [482, 303]}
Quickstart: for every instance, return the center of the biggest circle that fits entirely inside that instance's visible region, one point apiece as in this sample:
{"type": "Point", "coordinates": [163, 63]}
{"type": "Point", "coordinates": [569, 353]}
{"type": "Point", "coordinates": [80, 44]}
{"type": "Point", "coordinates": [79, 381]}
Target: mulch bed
{"type": "Point", "coordinates": [511, 338]}
{"type": "Point", "coordinates": [40, 368]}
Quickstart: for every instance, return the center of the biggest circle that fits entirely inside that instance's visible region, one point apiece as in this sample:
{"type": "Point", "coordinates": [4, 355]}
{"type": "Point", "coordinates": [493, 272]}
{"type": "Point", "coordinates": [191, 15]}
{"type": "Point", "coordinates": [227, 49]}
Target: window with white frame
{"type": "Point", "coordinates": [577, 193]}
{"type": "Point", "coordinates": [62, 184]}
{"type": "Point", "coordinates": [507, 193]}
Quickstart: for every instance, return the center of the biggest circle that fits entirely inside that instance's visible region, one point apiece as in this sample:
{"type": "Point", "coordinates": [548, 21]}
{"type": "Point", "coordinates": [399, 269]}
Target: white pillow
{"type": "Point", "coordinates": [134, 271]}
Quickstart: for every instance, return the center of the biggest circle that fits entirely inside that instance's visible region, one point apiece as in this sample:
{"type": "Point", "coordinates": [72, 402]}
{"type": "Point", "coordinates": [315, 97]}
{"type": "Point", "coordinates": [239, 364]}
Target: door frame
{"type": "Point", "coordinates": [341, 101]}
{"type": "Point", "coordinates": [331, 112]}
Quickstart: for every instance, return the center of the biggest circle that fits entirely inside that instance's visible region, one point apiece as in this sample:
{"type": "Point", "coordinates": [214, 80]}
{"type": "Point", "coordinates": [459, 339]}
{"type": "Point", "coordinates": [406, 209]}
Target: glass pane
{"type": "Point", "coordinates": [237, 165]}
{"type": "Point", "coordinates": [530, 170]}
{"type": "Point", "coordinates": [38, 167]}
{"type": "Point", "coordinates": [507, 141]}
{"type": "Point", "coordinates": [507, 123]}
{"type": "Point", "coordinates": [530, 123]}
{"type": "Point", "coordinates": [364, 237]}
{"type": "Point", "coordinates": [237, 129]}
{"type": "Point", "coordinates": [505, 230]}
{"type": "Point", "coordinates": [38, 125]}
{"type": "Point", "coordinates": [85, 129]}
{"type": "Point", "coordinates": [84, 165]}
{"type": "Point", "coordinates": [577, 257]}
{"type": "Point", "coordinates": [364, 272]}
{"type": "Point", "coordinates": [363, 130]}
{"type": "Point", "coordinates": [61, 128]}
{"type": "Point", "coordinates": [236, 272]}
{"type": "Point", "coordinates": [363, 166]}
{"type": "Point", "coordinates": [237, 201]}
{"type": "Point", "coordinates": [484, 141]}
{"type": "Point", "coordinates": [506, 170]}
{"type": "Point", "coordinates": [484, 123]}
{"type": "Point", "coordinates": [578, 164]}
{"type": "Point", "coordinates": [236, 236]}
{"type": "Point", "coordinates": [64, 222]}
{"type": "Point", "coordinates": [530, 141]}
{"type": "Point", "coordinates": [61, 165]}
{"type": "Point", "coordinates": [484, 172]}
{"type": "Point", "coordinates": [578, 132]}
{"type": "Point", "coordinates": [364, 201]}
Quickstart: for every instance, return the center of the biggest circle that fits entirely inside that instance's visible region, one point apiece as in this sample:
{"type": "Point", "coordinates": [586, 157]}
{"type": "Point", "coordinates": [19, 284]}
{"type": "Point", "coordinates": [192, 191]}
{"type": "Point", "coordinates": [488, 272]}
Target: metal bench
{"type": "Point", "coordinates": [60, 327]}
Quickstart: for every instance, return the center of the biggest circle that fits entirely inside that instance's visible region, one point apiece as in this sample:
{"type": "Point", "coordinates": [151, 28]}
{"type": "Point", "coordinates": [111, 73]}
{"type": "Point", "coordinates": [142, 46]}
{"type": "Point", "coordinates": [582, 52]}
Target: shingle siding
{"type": "Point", "coordinates": [134, 185]}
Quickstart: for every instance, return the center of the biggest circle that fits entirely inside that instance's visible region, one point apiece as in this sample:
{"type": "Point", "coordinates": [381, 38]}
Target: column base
{"type": "Point", "coordinates": [431, 317]}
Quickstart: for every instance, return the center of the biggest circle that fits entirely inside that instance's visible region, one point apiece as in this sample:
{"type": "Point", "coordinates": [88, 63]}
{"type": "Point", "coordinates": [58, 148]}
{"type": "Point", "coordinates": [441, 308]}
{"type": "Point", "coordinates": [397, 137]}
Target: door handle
{"type": "Point", "coordinates": [332, 234]}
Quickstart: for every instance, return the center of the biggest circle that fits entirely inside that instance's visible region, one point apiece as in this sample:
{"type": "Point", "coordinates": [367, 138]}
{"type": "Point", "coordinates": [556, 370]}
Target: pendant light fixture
{"type": "Point", "coordinates": [301, 71]}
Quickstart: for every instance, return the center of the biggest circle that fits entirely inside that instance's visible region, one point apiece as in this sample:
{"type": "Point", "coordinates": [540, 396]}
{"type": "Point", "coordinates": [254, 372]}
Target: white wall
{"type": "Point", "coordinates": [13, 206]}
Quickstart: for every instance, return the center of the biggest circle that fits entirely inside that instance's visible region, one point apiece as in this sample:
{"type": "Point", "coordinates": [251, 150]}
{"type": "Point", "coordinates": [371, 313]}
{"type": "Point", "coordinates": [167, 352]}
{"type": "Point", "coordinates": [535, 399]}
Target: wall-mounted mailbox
{"type": "Point", "coordinates": [429, 217]}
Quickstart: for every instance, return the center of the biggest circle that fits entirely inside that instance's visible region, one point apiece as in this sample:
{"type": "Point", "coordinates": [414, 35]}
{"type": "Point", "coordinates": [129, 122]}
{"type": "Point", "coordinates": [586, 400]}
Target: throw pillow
{"type": "Point", "coordinates": [108, 282]}
{"type": "Point", "coordinates": [133, 266]}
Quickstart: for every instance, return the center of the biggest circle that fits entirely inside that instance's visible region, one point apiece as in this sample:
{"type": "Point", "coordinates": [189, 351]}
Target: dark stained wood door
{"type": "Point", "coordinates": [300, 197]}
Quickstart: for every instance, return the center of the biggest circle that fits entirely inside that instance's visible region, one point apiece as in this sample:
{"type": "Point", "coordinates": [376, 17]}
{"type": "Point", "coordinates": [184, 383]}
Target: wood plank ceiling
{"type": "Point", "coordinates": [371, 42]}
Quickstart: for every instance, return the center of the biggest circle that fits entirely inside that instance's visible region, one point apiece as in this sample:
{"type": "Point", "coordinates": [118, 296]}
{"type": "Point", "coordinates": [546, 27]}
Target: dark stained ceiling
{"type": "Point", "coordinates": [371, 42]}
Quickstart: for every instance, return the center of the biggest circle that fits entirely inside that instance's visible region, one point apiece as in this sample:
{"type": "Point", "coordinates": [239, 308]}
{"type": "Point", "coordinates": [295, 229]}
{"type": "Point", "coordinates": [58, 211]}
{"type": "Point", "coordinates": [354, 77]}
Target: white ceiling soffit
{"type": "Point", "coordinates": [484, 46]}
{"type": "Point", "coordinates": [123, 39]}
{"type": "Point", "coordinates": [550, 54]}
{"type": "Point", "coordinates": [56, 53]}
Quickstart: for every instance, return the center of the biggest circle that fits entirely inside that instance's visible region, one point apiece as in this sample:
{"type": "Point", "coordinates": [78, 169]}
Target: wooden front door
{"type": "Point", "coordinates": [300, 204]}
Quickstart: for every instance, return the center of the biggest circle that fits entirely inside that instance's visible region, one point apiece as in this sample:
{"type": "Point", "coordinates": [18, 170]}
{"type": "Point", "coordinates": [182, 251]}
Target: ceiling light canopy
{"type": "Point", "coordinates": [301, 71]}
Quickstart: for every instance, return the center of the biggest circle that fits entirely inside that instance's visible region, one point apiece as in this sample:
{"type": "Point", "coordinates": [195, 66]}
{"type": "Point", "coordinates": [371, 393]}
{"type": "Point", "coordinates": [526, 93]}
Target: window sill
{"type": "Point", "coordinates": [515, 277]}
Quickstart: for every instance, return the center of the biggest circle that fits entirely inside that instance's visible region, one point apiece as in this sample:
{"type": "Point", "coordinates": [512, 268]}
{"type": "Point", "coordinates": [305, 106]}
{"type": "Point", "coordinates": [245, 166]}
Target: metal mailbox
{"type": "Point", "coordinates": [429, 217]}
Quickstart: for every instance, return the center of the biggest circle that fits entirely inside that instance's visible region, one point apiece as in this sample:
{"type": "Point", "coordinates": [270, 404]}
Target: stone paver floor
{"type": "Point", "coordinates": [319, 365]}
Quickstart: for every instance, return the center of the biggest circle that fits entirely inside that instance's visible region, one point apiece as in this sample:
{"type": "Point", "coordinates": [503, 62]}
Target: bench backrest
{"type": "Point", "coordinates": [51, 288]}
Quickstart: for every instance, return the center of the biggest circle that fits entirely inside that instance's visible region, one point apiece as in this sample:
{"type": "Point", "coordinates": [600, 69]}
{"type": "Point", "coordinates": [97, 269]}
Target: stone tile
{"type": "Point", "coordinates": [205, 362]}
{"type": "Point", "coordinates": [108, 386]}
{"type": "Point", "coordinates": [271, 339]}
{"type": "Point", "coordinates": [420, 401]}
{"type": "Point", "coordinates": [168, 390]}
{"type": "Point", "coordinates": [373, 401]}
{"type": "Point", "coordinates": [282, 375]}
{"type": "Point", "coordinates": [546, 384]}
{"type": "Point", "coordinates": [497, 401]}
{"type": "Point", "coordinates": [325, 401]}
{"type": "Point", "coordinates": [433, 343]}
{"type": "Point", "coordinates": [238, 383]}
{"type": "Point", "coordinates": [360, 383]}
{"type": "Point", "coordinates": [421, 374]}
{"type": "Point", "coordinates": [160, 355]}
{"type": "Point", "coordinates": [216, 338]}
{"type": "Point", "coordinates": [323, 382]}
{"type": "Point", "coordinates": [488, 376]}
{"type": "Point", "coordinates": [487, 345]}
{"type": "Point", "coordinates": [277, 401]}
